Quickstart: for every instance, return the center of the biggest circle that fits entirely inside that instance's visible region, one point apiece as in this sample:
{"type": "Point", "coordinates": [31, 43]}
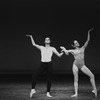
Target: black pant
{"type": "Point", "coordinates": [45, 66]}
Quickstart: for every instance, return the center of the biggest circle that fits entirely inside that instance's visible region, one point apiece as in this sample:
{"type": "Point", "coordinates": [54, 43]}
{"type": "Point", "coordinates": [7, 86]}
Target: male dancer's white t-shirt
{"type": "Point", "coordinates": [46, 53]}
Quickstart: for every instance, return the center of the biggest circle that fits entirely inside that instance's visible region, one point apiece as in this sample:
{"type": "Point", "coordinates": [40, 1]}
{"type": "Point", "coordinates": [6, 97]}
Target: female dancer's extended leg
{"type": "Point", "coordinates": [86, 71]}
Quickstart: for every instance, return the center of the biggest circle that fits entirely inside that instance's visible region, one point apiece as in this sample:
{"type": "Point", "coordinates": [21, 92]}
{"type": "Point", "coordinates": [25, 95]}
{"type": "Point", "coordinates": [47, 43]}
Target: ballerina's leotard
{"type": "Point", "coordinates": [79, 58]}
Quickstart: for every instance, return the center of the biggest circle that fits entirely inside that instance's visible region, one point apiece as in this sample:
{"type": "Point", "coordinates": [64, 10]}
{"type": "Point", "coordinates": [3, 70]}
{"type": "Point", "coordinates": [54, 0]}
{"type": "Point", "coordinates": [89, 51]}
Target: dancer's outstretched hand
{"type": "Point", "coordinates": [29, 35]}
{"type": "Point", "coordinates": [90, 29]}
{"type": "Point", "coordinates": [64, 50]}
{"type": "Point", "coordinates": [62, 47]}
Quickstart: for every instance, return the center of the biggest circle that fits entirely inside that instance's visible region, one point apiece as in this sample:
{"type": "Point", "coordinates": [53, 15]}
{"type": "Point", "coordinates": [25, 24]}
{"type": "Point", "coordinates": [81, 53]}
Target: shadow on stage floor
{"type": "Point", "coordinates": [17, 87]}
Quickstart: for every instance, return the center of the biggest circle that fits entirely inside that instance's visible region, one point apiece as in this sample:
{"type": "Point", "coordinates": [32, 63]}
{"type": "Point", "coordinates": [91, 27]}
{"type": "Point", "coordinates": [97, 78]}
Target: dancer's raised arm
{"type": "Point", "coordinates": [88, 38]}
{"type": "Point", "coordinates": [33, 42]}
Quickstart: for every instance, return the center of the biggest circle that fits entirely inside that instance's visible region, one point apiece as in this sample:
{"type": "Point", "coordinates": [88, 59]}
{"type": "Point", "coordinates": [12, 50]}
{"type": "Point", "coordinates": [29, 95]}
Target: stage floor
{"type": "Point", "coordinates": [61, 90]}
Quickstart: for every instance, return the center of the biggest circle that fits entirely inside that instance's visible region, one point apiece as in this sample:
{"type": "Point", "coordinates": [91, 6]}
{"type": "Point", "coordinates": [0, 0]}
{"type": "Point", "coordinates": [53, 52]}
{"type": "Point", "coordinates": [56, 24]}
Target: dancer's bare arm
{"type": "Point", "coordinates": [33, 42]}
{"type": "Point", "coordinates": [88, 38]}
{"type": "Point", "coordinates": [57, 53]}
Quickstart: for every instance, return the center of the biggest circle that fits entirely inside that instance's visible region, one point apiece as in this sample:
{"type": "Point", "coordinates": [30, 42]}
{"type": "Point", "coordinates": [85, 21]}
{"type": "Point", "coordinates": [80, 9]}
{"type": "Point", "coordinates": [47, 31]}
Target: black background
{"type": "Point", "coordinates": [61, 20]}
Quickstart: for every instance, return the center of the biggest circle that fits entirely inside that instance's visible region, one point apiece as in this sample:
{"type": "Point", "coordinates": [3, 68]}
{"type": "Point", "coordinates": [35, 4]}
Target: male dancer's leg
{"type": "Point", "coordinates": [49, 78]}
{"type": "Point", "coordinates": [35, 78]}
{"type": "Point", "coordinates": [36, 75]}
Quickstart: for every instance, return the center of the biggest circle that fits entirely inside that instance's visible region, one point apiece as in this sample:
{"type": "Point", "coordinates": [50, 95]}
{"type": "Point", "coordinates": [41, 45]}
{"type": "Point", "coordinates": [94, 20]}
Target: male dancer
{"type": "Point", "coordinates": [79, 63]}
{"type": "Point", "coordinates": [46, 63]}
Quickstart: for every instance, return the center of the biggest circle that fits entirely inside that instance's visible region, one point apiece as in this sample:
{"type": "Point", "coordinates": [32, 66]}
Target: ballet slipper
{"type": "Point", "coordinates": [48, 95]}
{"type": "Point", "coordinates": [95, 92]}
{"type": "Point", "coordinates": [32, 92]}
{"type": "Point", "coordinates": [75, 95]}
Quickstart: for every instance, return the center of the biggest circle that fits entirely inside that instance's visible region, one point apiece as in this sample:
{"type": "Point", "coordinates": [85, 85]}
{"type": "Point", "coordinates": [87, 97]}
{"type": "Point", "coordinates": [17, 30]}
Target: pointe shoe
{"type": "Point", "coordinates": [32, 92]}
{"type": "Point", "coordinates": [95, 92]}
{"type": "Point", "coordinates": [75, 95]}
{"type": "Point", "coordinates": [48, 95]}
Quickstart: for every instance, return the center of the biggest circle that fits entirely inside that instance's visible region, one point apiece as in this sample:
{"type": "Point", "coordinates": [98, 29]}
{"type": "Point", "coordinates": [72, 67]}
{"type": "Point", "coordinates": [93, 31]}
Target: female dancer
{"type": "Point", "coordinates": [78, 63]}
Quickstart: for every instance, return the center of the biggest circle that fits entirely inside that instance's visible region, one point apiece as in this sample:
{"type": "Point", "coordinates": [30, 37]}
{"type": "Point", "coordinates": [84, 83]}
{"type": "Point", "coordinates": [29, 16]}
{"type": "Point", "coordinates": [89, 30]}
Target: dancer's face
{"type": "Point", "coordinates": [76, 44]}
{"type": "Point", "coordinates": [47, 40]}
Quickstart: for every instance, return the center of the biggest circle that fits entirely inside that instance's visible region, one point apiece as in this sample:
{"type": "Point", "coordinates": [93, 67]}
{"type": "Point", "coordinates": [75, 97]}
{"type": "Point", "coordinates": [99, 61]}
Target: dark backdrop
{"type": "Point", "coordinates": [61, 20]}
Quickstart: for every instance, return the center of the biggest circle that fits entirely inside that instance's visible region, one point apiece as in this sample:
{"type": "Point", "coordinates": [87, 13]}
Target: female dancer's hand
{"type": "Point", "coordinates": [63, 48]}
{"type": "Point", "coordinates": [29, 35]}
{"type": "Point", "coordinates": [90, 29]}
